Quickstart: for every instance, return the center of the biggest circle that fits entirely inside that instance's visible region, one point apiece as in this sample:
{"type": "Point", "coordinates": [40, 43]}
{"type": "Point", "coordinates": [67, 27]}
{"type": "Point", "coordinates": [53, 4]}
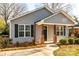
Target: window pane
{"type": "Point", "coordinates": [27, 33]}
{"type": "Point", "coordinates": [21, 34]}
{"type": "Point", "coordinates": [27, 27]}
{"type": "Point", "coordinates": [64, 29]}
{"type": "Point", "coordinates": [61, 30]}
{"type": "Point", "coordinates": [57, 33]}
{"type": "Point", "coordinates": [57, 30]}
{"type": "Point", "coordinates": [61, 33]}
{"type": "Point", "coordinates": [21, 27]}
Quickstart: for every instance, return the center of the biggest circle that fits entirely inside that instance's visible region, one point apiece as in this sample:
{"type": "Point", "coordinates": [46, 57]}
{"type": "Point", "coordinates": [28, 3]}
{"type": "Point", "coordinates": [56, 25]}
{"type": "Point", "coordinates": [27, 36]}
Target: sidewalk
{"type": "Point", "coordinates": [44, 51]}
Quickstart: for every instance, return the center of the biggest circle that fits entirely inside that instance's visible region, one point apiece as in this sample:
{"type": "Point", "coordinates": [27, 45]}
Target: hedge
{"type": "Point", "coordinates": [63, 41]}
{"type": "Point", "coordinates": [77, 41]}
{"type": "Point", "coordinates": [69, 41]}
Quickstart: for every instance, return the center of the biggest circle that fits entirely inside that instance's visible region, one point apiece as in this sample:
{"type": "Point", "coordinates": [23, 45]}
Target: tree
{"type": "Point", "coordinates": [76, 19]}
{"type": "Point", "coordinates": [59, 6]}
{"type": "Point", "coordinates": [10, 10]}
{"type": "Point", "coordinates": [2, 25]}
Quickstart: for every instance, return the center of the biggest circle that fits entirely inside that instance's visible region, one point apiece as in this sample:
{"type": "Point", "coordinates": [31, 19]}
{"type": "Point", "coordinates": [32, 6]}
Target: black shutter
{"type": "Point", "coordinates": [54, 29]}
{"type": "Point", "coordinates": [32, 30]}
{"type": "Point", "coordinates": [16, 30]}
{"type": "Point", "coordinates": [64, 30]}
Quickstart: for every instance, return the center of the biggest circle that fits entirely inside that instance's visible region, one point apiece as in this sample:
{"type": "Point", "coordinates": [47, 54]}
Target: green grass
{"type": "Point", "coordinates": [67, 50]}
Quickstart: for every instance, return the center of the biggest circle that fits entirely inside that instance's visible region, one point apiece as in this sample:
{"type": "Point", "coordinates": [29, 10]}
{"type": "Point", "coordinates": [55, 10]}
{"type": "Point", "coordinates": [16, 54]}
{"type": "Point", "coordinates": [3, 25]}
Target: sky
{"type": "Point", "coordinates": [32, 6]}
{"type": "Point", "coordinates": [74, 11]}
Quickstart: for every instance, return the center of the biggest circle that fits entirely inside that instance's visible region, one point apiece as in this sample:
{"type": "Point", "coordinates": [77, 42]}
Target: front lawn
{"type": "Point", "coordinates": [67, 50]}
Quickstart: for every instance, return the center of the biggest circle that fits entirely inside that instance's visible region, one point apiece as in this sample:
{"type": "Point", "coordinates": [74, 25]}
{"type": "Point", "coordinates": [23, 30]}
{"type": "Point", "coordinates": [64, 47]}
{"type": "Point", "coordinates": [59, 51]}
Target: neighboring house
{"type": "Point", "coordinates": [76, 30]}
{"type": "Point", "coordinates": [41, 25]}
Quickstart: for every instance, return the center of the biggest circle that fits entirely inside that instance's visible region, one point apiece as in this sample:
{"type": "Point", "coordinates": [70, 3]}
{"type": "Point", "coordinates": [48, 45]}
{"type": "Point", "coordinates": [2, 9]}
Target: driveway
{"type": "Point", "coordinates": [44, 51]}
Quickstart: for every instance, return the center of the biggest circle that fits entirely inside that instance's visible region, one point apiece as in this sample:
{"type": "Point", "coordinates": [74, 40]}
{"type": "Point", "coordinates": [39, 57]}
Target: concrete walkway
{"type": "Point", "coordinates": [44, 51]}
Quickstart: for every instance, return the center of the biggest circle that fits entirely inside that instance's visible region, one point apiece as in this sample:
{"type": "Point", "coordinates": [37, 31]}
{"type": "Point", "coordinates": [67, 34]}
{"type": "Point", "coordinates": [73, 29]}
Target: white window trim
{"type": "Point", "coordinates": [18, 29]}
{"type": "Point", "coordinates": [29, 30]}
{"type": "Point", "coordinates": [24, 30]}
{"type": "Point", "coordinates": [59, 30]}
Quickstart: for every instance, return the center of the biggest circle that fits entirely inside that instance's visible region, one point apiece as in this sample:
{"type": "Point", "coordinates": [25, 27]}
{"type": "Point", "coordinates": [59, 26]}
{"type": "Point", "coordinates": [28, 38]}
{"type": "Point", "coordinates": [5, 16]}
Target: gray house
{"type": "Point", "coordinates": [41, 25]}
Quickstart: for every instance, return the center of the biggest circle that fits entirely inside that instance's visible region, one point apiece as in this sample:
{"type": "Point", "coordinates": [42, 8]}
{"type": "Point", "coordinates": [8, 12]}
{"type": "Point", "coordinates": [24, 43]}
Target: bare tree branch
{"type": "Point", "coordinates": [10, 10]}
{"type": "Point", "coordinates": [59, 6]}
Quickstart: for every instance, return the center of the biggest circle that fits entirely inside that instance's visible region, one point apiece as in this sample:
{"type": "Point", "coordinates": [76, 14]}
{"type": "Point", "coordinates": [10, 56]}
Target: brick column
{"type": "Point", "coordinates": [42, 36]}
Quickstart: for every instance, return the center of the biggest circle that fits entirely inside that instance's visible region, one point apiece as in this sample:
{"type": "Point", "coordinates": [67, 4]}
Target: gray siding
{"type": "Point", "coordinates": [28, 19]}
{"type": "Point", "coordinates": [59, 18]}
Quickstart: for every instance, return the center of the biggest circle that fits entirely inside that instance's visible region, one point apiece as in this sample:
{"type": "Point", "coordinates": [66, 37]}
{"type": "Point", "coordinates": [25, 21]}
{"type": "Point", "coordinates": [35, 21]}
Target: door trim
{"type": "Point", "coordinates": [46, 34]}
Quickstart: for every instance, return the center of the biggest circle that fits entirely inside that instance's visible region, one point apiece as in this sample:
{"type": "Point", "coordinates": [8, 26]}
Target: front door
{"type": "Point", "coordinates": [45, 33]}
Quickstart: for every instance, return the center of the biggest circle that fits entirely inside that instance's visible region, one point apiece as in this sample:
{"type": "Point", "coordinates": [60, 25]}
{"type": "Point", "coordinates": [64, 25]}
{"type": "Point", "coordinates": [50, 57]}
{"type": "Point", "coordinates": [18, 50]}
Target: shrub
{"type": "Point", "coordinates": [5, 42]}
{"type": "Point", "coordinates": [9, 43]}
{"type": "Point", "coordinates": [24, 44]}
{"type": "Point", "coordinates": [17, 44]}
{"type": "Point", "coordinates": [33, 42]}
{"type": "Point", "coordinates": [1, 42]}
{"type": "Point", "coordinates": [63, 41]}
{"type": "Point", "coordinates": [70, 41]}
{"type": "Point", "coordinates": [77, 41]}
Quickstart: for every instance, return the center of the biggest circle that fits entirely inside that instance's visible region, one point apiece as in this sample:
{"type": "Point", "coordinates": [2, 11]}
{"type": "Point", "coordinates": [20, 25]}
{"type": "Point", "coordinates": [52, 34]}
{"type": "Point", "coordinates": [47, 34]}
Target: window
{"type": "Point", "coordinates": [24, 30]}
{"type": "Point", "coordinates": [60, 30]}
{"type": "Point", "coordinates": [27, 30]}
{"type": "Point", "coordinates": [57, 30]}
{"type": "Point", "coordinates": [21, 30]}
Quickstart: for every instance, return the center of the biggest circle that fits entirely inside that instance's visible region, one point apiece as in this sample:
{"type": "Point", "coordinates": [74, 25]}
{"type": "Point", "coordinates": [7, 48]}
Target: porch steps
{"type": "Point", "coordinates": [51, 45]}
{"type": "Point", "coordinates": [48, 42]}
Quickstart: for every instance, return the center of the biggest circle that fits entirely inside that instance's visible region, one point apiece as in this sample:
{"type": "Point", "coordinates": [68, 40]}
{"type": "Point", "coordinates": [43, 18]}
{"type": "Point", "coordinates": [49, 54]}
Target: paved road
{"type": "Point", "coordinates": [44, 51]}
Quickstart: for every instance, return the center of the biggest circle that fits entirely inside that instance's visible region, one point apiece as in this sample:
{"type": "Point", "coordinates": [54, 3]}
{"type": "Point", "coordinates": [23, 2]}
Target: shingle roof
{"type": "Point", "coordinates": [29, 12]}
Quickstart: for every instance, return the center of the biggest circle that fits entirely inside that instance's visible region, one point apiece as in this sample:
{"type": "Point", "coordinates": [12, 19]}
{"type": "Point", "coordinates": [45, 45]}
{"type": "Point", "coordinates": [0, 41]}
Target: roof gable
{"type": "Point", "coordinates": [49, 12]}
{"type": "Point", "coordinates": [64, 14]}
{"type": "Point", "coordinates": [32, 17]}
{"type": "Point", "coordinates": [59, 18]}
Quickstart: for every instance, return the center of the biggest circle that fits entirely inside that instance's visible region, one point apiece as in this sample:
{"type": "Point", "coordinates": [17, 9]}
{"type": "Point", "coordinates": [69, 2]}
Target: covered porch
{"type": "Point", "coordinates": [51, 33]}
{"type": "Point", "coordinates": [53, 28]}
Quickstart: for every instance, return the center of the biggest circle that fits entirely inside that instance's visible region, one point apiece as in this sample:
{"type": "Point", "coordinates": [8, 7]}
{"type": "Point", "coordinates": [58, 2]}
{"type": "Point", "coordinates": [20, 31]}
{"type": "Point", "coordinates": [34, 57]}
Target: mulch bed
{"type": "Point", "coordinates": [19, 48]}
{"type": "Point", "coordinates": [73, 45]}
